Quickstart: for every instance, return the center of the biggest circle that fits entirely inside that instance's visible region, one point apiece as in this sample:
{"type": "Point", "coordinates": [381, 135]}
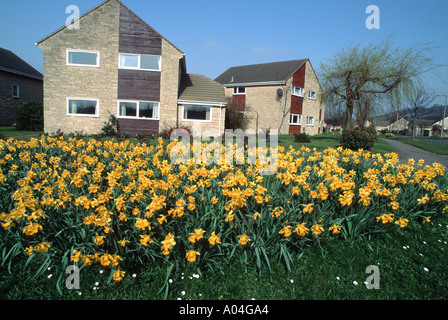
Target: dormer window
{"type": "Point", "coordinates": [239, 90]}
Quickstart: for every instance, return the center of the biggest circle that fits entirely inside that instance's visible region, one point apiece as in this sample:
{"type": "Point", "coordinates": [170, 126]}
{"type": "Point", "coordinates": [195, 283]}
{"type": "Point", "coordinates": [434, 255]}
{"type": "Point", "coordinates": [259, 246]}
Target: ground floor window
{"type": "Point", "coordinates": [196, 113]}
{"type": "Point", "coordinates": [138, 109]}
{"type": "Point", "coordinates": [295, 119]}
{"type": "Point", "coordinates": [82, 107]}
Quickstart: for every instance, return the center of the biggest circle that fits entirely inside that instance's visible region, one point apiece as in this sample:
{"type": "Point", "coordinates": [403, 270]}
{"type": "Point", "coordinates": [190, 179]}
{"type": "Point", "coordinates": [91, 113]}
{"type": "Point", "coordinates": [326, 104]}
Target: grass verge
{"type": "Point", "coordinates": [432, 145]}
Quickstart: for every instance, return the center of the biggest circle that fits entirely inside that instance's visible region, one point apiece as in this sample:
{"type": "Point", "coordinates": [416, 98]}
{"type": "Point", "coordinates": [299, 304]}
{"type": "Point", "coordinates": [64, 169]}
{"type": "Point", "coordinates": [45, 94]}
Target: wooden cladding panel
{"type": "Point", "coordinates": [298, 79]}
{"type": "Point", "coordinates": [296, 105]}
{"type": "Point", "coordinates": [294, 129]}
{"type": "Point", "coordinates": [138, 85]}
{"type": "Point", "coordinates": [138, 127]}
{"type": "Point", "coordinates": [136, 36]}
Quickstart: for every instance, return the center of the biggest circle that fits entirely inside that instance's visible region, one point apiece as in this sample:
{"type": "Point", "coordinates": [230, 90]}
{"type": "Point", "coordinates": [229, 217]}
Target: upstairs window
{"type": "Point", "coordinates": [312, 95]}
{"type": "Point", "coordinates": [297, 91]}
{"type": "Point", "coordinates": [15, 91]}
{"type": "Point", "coordinates": [295, 119]}
{"type": "Point", "coordinates": [239, 90]}
{"type": "Point", "coordinates": [140, 62]}
{"type": "Point", "coordinates": [83, 58]}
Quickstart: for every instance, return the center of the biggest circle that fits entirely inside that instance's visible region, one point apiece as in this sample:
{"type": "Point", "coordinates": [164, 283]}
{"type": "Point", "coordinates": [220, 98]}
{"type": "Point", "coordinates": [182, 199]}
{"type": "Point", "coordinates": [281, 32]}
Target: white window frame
{"type": "Point", "coordinates": [200, 105]}
{"type": "Point", "coordinates": [309, 123]}
{"type": "Point", "coordinates": [83, 65]}
{"type": "Point", "coordinates": [97, 111]}
{"type": "Point", "coordinates": [137, 117]}
{"type": "Point", "coordinates": [236, 91]}
{"type": "Point", "coordinates": [299, 119]}
{"type": "Point", "coordinates": [312, 95]}
{"type": "Point", "coordinates": [299, 93]}
{"type": "Point", "coordinates": [139, 62]}
{"type": "Point", "coordinates": [17, 96]}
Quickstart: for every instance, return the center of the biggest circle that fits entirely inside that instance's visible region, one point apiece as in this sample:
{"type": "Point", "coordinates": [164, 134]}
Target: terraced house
{"type": "Point", "coordinates": [281, 95]}
{"type": "Point", "coordinates": [115, 63]}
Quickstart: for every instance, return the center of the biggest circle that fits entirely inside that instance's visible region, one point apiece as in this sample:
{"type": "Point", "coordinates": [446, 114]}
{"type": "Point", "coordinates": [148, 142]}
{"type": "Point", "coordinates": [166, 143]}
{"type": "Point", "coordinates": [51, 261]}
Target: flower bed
{"type": "Point", "coordinates": [120, 205]}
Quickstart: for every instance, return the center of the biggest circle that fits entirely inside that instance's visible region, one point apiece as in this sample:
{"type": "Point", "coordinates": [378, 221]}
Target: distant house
{"type": "Point", "coordinates": [280, 95]}
{"type": "Point", "coordinates": [380, 124]}
{"type": "Point", "coordinates": [117, 64]}
{"type": "Point", "coordinates": [438, 125]}
{"type": "Point", "coordinates": [400, 125]}
{"type": "Point", "coordinates": [423, 127]}
{"type": "Point", "coordinates": [19, 83]}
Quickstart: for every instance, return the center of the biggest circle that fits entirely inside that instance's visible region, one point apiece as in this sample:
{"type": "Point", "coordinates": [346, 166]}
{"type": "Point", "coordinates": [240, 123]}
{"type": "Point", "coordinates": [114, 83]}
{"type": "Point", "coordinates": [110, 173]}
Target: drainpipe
{"type": "Point", "coordinates": [444, 115]}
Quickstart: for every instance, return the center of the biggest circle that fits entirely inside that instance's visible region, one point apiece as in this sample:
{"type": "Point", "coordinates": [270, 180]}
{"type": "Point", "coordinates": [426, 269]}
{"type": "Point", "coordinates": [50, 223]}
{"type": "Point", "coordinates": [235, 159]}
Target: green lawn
{"type": "Point", "coordinates": [8, 132]}
{"type": "Point", "coordinates": [329, 140]}
{"type": "Point", "coordinates": [433, 145]}
{"type": "Point", "coordinates": [411, 265]}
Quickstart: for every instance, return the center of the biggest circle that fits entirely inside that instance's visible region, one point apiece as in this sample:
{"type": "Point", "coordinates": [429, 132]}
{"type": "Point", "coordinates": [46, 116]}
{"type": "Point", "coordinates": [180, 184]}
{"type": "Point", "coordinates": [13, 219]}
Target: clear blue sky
{"type": "Point", "coordinates": [216, 35]}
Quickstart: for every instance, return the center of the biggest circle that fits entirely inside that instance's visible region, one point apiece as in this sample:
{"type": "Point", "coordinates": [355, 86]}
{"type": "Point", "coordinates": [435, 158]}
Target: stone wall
{"type": "Point", "coordinates": [99, 31]}
{"type": "Point", "coordinates": [169, 85]}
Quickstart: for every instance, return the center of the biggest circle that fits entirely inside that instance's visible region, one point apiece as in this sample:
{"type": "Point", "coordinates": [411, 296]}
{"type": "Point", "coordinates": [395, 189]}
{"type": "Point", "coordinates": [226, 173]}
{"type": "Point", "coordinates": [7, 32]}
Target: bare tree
{"type": "Point", "coordinates": [378, 69]}
{"type": "Point", "coordinates": [418, 100]}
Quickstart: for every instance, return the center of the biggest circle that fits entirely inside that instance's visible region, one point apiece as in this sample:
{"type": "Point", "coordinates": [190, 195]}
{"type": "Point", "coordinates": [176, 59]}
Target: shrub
{"type": "Point", "coordinates": [358, 138]}
{"type": "Point", "coordinates": [30, 116]}
{"type": "Point", "coordinates": [301, 137]}
{"type": "Point", "coordinates": [166, 133]}
{"type": "Point", "coordinates": [110, 128]}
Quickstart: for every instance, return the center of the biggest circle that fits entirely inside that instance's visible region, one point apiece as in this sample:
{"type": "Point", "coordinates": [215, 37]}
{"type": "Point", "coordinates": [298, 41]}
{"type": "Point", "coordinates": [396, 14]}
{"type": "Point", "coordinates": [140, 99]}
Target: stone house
{"type": "Point", "coordinates": [19, 83]}
{"type": "Point", "coordinates": [116, 64]}
{"type": "Point", "coordinates": [282, 95]}
{"type": "Point", "coordinates": [399, 125]}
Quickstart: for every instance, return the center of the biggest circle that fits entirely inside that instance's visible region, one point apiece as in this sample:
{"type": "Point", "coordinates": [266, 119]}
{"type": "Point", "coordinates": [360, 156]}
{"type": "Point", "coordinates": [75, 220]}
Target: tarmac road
{"type": "Point", "coordinates": [406, 152]}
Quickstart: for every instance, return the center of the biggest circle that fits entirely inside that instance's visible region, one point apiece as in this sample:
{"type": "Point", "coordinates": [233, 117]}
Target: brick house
{"type": "Point", "coordinates": [281, 95]}
{"type": "Point", "coordinates": [115, 63]}
{"type": "Point", "coordinates": [19, 83]}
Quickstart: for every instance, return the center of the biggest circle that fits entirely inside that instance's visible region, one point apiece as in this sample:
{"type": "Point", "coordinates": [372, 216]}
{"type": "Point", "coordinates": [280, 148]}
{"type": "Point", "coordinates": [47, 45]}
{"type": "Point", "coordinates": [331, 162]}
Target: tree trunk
{"type": "Point", "coordinates": [348, 115]}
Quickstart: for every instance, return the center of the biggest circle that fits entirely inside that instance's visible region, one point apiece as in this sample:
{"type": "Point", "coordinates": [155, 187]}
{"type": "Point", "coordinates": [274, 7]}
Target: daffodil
{"type": "Point", "coordinates": [196, 235]}
{"type": "Point", "coordinates": [301, 230]}
{"type": "Point", "coordinates": [335, 229]}
{"type": "Point", "coordinates": [118, 275]}
{"type": "Point", "coordinates": [191, 255]}
{"type": "Point", "coordinates": [402, 222]}
{"type": "Point", "coordinates": [286, 231]}
{"type": "Point", "coordinates": [317, 229]}
{"type": "Point", "coordinates": [214, 239]}
{"type": "Point", "coordinates": [243, 239]}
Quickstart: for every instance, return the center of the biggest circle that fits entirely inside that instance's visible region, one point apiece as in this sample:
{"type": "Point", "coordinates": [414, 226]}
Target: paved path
{"type": "Point", "coordinates": [406, 152]}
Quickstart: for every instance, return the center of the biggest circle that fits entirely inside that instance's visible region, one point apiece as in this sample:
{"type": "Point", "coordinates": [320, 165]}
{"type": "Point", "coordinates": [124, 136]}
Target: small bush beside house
{"type": "Point", "coordinates": [30, 116]}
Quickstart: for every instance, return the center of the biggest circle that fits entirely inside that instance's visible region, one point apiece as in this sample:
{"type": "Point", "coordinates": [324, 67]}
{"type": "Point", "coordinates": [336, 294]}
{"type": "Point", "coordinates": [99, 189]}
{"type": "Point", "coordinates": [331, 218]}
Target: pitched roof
{"type": "Point", "coordinates": [260, 73]}
{"type": "Point", "coordinates": [196, 87]}
{"type": "Point", "coordinates": [95, 8]}
{"type": "Point", "coordinates": [12, 63]}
